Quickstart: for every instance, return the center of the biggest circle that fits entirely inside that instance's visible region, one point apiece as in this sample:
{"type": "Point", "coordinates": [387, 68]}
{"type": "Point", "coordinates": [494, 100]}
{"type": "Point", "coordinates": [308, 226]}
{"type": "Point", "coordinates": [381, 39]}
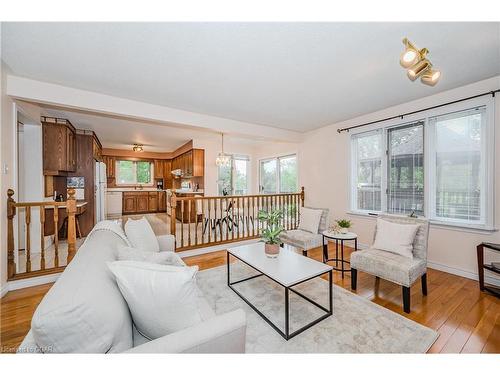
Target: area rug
{"type": "Point", "coordinates": [356, 326]}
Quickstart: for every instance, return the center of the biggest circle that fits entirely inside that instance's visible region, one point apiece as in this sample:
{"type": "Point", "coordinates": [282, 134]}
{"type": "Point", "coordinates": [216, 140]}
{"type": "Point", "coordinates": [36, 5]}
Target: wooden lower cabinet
{"type": "Point", "coordinates": [140, 202]}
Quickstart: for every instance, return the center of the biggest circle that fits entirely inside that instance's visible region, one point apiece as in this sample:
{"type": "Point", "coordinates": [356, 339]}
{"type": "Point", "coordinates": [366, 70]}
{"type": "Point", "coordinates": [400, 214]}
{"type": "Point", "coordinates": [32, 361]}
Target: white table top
{"type": "Point", "coordinates": [340, 236]}
{"type": "Point", "coordinates": [288, 268]}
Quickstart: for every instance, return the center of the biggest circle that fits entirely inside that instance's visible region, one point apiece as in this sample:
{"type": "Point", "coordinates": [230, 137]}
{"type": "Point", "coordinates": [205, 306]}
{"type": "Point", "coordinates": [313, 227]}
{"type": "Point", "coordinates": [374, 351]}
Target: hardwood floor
{"type": "Point", "coordinates": [468, 321]}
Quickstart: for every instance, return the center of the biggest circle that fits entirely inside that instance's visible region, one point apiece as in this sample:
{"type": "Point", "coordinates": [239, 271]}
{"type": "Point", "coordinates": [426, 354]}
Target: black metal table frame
{"type": "Point", "coordinates": [337, 259]}
{"type": "Point", "coordinates": [285, 334]}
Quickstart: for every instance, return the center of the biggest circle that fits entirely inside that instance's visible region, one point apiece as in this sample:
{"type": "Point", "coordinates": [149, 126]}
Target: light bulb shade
{"type": "Point", "coordinates": [418, 69]}
{"type": "Point", "coordinates": [223, 160]}
{"type": "Point", "coordinates": [431, 77]}
{"type": "Point", "coordinates": [409, 57]}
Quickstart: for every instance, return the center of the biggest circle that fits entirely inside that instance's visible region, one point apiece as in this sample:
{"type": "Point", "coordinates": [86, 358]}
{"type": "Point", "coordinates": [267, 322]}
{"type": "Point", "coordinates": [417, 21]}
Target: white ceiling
{"type": "Point", "coordinates": [297, 76]}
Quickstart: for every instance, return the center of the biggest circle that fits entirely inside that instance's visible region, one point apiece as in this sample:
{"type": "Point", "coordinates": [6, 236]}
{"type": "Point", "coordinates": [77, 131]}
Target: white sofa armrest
{"type": "Point", "coordinates": [166, 242]}
{"type": "Point", "coordinates": [224, 333]}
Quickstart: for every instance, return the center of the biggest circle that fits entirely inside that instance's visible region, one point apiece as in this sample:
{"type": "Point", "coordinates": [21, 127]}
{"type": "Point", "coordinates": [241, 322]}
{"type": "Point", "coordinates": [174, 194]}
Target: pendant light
{"type": "Point", "coordinates": [223, 159]}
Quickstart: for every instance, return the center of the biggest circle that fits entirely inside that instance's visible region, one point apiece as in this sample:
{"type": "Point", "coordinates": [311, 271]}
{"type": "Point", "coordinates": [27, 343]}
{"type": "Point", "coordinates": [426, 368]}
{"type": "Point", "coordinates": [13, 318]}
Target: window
{"type": "Point", "coordinates": [405, 188]}
{"type": "Point", "coordinates": [233, 179]}
{"type": "Point", "coordinates": [460, 173]}
{"type": "Point", "coordinates": [279, 175]}
{"type": "Point", "coordinates": [367, 173]}
{"type": "Point", "coordinates": [439, 167]}
{"type": "Point", "coordinates": [134, 172]}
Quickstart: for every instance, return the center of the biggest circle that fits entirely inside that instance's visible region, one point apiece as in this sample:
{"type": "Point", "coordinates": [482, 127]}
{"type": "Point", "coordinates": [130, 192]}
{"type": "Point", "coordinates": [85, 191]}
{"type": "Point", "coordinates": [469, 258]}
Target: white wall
{"type": "Point", "coordinates": [323, 166]}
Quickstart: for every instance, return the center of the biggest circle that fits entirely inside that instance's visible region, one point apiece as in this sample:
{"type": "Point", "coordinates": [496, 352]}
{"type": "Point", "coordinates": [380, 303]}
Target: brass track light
{"type": "Point", "coordinates": [431, 77]}
{"type": "Point", "coordinates": [418, 65]}
{"type": "Point", "coordinates": [418, 69]}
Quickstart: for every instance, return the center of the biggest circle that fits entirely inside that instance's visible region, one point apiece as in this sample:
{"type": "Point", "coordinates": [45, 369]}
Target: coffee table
{"type": "Point", "coordinates": [289, 269]}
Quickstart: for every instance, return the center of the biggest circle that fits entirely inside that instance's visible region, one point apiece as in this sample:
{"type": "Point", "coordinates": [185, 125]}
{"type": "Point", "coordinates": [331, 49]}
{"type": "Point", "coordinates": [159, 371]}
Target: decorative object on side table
{"type": "Point", "coordinates": [344, 225]}
{"type": "Point", "coordinates": [271, 232]}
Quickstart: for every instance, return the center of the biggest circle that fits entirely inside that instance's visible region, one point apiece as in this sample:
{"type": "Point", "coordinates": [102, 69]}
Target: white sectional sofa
{"type": "Point", "coordinates": [84, 312]}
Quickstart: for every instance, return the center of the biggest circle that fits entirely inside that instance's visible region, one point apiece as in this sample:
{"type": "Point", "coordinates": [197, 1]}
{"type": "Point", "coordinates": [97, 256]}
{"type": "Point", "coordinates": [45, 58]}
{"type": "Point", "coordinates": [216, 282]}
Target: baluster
{"type": "Point", "coordinates": [253, 216]}
{"type": "Point", "coordinates": [196, 200]}
{"type": "Point", "coordinates": [238, 213]}
{"type": "Point", "coordinates": [189, 221]}
{"type": "Point", "coordinates": [243, 217]}
{"type": "Point", "coordinates": [233, 225]}
{"type": "Point", "coordinates": [42, 237]}
{"type": "Point", "coordinates": [182, 222]}
{"type": "Point", "coordinates": [173, 215]}
{"type": "Point", "coordinates": [28, 239]}
{"type": "Point", "coordinates": [209, 204]}
{"type": "Point", "coordinates": [56, 236]}
{"type": "Point", "coordinates": [11, 212]}
{"type": "Point", "coordinates": [302, 196]}
{"type": "Point", "coordinates": [221, 223]}
{"type": "Point", "coordinates": [71, 210]}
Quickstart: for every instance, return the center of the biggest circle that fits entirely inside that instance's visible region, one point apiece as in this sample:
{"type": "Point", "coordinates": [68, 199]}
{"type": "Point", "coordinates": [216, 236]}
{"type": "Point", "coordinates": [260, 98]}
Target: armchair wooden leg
{"type": "Point", "coordinates": [406, 299]}
{"type": "Point", "coordinates": [424, 284]}
{"type": "Point", "coordinates": [354, 278]}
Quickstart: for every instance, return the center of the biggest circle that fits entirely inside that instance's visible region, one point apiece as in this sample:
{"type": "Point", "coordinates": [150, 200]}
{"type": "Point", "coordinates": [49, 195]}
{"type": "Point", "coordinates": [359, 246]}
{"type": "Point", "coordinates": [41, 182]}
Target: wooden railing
{"type": "Point", "coordinates": [205, 221]}
{"type": "Point", "coordinates": [25, 268]}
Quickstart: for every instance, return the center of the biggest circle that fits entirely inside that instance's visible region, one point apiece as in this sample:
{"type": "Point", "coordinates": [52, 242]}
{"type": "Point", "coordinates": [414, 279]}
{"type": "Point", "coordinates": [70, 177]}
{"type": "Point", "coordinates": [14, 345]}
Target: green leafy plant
{"type": "Point", "coordinates": [272, 228]}
{"type": "Point", "coordinates": [344, 223]}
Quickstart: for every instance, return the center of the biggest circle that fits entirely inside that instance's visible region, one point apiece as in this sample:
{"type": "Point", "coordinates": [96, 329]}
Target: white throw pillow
{"type": "Point", "coordinates": [396, 238]}
{"type": "Point", "coordinates": [141, 235]}
{"type": "Point", "coordinates": [309, 219]}
{"type": "Point", "coordinates": [163, 257]}
{"type": "Point", "coordinates": [162, 299]}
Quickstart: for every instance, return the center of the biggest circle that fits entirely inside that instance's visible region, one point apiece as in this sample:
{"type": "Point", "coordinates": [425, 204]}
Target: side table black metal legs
{"type": "Point", "coordinates": [338, 260]}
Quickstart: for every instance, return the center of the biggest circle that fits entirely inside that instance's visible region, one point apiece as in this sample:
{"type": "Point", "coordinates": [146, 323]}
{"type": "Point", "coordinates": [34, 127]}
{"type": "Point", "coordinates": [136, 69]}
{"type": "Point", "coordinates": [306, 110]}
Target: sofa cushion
{"type": "Point", "coordinates": [302, 239]}
{"type": "Point", "coordinates": [309, 219]}
{"type": "Point", "coordinates": [165, 257]}
{"type": "Point", "coordinates": [84, 312]}
{"type": "Point", "coordinates": [389, 266]}
{"type": "Point", "coordinates": [162, 299]}
{"type": "Point", "coordinates": [141, 235]}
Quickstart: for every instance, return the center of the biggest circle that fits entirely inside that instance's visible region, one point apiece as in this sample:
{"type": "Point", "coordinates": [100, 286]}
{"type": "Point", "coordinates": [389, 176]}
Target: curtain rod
{"type": "Point", "coordinates": [492, 93]}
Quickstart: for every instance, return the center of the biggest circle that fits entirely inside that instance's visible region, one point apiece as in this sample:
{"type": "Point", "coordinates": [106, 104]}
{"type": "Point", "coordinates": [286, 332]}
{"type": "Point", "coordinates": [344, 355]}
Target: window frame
{"type": "Point", "coordinates": [151, 171]}
{"type": "Point", "coordinates": [278, 171]}
{"type": "Point", "coordinates": [487, 148]}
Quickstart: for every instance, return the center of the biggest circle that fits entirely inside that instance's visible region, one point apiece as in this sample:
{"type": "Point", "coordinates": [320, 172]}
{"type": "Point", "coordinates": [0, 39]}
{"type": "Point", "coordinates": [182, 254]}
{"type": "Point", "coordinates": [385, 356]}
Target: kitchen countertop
{"type": "Point", "coordinates": [121, 190]}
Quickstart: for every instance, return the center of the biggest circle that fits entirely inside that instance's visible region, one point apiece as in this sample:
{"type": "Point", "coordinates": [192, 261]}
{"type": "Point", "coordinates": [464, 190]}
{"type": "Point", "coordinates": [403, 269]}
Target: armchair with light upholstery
{"type": "Point", "coordinates": [305, 240]}
{"type": "Point", "coordinates": [394, 267]}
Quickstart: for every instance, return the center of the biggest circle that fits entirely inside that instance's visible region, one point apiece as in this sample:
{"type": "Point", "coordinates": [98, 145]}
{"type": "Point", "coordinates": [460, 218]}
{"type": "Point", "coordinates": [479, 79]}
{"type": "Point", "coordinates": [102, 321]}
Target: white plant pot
{"type": "Point", "coordinates": [344, 230]}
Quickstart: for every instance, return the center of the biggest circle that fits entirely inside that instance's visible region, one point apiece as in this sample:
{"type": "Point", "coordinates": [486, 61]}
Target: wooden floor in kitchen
{"type": "Point", "coordinates": [467, 320]}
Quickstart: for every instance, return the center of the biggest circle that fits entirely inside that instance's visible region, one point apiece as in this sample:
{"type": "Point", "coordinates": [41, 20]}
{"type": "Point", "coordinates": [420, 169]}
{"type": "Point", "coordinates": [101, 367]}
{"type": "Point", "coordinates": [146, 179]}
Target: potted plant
{"type": "Point", "coordinates": [272, 230]}
{"type": "Point", "coordinates": [344, 225]}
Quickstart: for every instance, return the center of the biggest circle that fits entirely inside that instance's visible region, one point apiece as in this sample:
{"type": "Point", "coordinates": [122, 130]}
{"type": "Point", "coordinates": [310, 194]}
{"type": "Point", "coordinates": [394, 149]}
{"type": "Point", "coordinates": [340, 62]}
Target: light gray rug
{"type": "Point", "coordinates": [357, 325]}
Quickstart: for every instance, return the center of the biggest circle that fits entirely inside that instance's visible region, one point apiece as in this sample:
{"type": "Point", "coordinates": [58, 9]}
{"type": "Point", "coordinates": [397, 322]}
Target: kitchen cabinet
{"type": "Point", "coordinates": [135, 202]}
{"type": "Point", "coordinates": [159, 168]}
{"type": "Point", "coordinates": [162, 203]}
{"type": "Point", "coordinates": [191, 163]}
{"type": "Point", "coordinates": [97, 149]}
{"type": "Point", "coordinates": [110, 162]}
{"type": "Point", "coordinates": [129, 203]}
{"type": "Point", "coordinates": [59, 146]}
{"type": "Point", "coordinates": [167, 174]}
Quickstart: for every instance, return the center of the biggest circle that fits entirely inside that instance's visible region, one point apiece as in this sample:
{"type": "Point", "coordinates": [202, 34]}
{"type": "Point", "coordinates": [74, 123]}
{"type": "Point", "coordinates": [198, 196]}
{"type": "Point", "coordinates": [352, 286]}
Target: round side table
{"type": "Point", "coordinates": [328, 235]}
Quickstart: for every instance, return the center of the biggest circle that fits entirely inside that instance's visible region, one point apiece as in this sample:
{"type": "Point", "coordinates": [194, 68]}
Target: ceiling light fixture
{"type": "Point", "coordinates": [223, 159]}
{"type": "Point", "coordinates": [137, 148]}
{"type": "Point", "coordinates": [418, 65]}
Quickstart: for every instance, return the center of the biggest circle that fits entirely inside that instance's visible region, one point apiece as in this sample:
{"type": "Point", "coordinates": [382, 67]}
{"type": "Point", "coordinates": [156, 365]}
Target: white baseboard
{"type": "Point", "coordinates": [4, 289]}
{"type": "Point", "coordinates": [33, 281]}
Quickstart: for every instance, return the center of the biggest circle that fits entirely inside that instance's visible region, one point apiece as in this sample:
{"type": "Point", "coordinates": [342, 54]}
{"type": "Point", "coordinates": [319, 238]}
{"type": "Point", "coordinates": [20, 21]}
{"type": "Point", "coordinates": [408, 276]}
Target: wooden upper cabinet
{"type": "Point", "coordinates": [198, 162]}
{"type": "Point", "coordinates": [97, 149]}
{"type": "Point", "coordinates": [110, 162]}
{"type": "Point", "coordinates": [59, 146]}
{"type": "Point", "coordinates": [159, 168]}
{"type": "Point", "coordinates": [167, 174]}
